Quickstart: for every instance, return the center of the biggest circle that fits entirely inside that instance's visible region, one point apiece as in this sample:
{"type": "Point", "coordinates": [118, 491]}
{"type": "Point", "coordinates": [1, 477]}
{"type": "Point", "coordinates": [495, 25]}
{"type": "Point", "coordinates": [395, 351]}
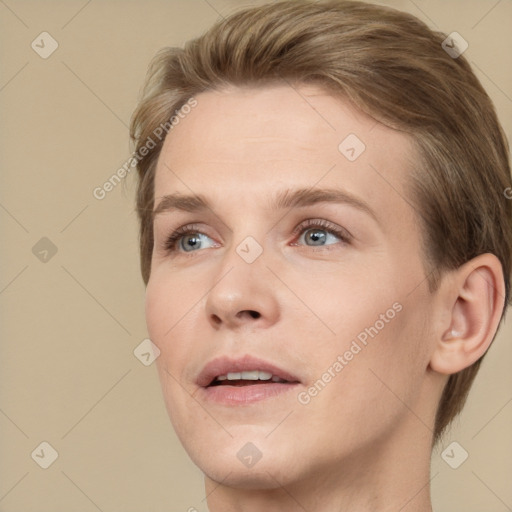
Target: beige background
{"type": "Point", "coordinates": [68, 375]}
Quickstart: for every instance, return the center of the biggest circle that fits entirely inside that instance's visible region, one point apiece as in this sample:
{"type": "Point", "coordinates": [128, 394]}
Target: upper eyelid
{"type": "Point", "coordinates": [321, 223]}
{"type": "Point", "coordinates": [310, 221]}
{"type": "Point", "coordinates": [179, 225]}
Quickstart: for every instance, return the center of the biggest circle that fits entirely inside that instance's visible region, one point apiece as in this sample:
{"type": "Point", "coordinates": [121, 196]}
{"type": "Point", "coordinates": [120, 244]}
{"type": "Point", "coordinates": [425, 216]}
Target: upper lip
{"type": "Point", "coordinates": [224, 365]}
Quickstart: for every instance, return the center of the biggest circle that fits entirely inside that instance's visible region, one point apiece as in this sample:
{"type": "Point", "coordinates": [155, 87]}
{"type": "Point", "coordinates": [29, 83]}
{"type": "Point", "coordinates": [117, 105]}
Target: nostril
{"type": "Point", "coordinates": [250, 312]}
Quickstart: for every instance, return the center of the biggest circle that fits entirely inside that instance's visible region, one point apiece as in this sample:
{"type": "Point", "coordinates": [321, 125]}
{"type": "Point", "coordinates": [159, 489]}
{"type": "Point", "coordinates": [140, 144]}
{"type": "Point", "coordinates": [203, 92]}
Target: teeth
{"type": "Point", "coordinates": [250, 375]}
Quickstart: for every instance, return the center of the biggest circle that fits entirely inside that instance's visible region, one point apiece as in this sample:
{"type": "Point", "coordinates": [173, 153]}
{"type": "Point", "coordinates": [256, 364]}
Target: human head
{"type": "Point", "coordinates": [393, 68]}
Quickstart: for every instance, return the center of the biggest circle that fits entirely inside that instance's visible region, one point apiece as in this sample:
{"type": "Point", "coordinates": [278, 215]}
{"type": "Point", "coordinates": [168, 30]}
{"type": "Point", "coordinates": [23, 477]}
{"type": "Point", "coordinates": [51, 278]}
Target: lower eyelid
{"type": "Point", "coordinates": [342, 241]}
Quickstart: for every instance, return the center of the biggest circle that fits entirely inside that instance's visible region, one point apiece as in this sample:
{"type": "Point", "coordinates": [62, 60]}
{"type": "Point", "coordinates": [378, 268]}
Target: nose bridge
{"type": "Point", "coordinates": [242, 291]}
{"type": "Point", "coordinates": [247, 237]}
{"type": "Point", "coordinates": [243, 267]}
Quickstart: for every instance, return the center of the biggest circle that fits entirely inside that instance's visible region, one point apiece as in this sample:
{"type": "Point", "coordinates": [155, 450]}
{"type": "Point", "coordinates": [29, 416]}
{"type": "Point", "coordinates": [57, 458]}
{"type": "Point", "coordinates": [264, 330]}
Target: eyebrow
{"type": "Point", "coordinates": [284, 199]}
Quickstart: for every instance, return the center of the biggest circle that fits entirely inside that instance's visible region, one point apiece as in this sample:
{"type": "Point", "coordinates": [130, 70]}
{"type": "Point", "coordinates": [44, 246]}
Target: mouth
{"type": "Point", "coordinates": [247, 378]}
{"type": "Point", "coordinates": [244, 381]}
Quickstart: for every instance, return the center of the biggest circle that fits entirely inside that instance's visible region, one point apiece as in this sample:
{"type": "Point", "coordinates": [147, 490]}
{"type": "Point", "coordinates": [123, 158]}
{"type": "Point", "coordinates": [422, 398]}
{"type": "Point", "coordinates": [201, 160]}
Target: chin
{"type": "Point", "coordinates": [265, 476]}
{"type": "Point", "coordinates": [250, 480]}
{"type": "Point", "coordinates": [240, 463]}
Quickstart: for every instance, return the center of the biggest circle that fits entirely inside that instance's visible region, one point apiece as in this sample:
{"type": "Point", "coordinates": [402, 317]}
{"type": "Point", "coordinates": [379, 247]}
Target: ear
{"type": "Point", "coordinates": [469, 309]}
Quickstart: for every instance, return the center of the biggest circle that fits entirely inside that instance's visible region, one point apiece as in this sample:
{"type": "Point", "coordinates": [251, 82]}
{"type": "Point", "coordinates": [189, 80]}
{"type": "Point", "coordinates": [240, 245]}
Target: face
{"type": "Point", "coordinates": [325, 288]}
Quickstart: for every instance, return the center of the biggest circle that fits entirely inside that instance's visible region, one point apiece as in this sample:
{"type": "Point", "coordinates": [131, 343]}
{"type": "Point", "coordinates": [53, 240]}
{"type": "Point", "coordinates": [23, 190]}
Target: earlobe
{"type": "Point", "coordinates": [473, 301]}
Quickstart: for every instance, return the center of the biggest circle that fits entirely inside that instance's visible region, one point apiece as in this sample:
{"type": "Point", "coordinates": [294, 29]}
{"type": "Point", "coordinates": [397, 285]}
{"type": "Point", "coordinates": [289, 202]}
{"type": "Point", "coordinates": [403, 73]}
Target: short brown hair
{"type": "Point", "coordinates": [388, 64]}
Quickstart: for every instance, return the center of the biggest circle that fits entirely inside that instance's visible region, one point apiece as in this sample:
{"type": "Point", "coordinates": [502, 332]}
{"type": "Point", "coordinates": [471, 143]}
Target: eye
{"type": "Point", "coordinates": [186, 239]}
{"type": "Point", "coordinates": [319, 231]}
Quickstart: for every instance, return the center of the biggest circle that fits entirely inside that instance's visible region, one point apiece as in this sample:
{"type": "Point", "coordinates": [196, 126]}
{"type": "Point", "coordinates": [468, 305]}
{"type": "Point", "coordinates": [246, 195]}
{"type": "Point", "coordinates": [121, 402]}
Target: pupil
{"type": "Point", "coordinates": [192, 240]}
{"type": "Point", "coordinates": [316, 235]}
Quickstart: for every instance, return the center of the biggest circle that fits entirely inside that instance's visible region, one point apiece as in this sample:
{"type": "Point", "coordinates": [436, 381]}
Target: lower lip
{"type": "Point", "coordinates": [242, 395]}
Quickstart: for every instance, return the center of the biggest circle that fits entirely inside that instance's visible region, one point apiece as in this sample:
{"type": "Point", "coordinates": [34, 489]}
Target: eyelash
{"type": "Point", "coordinates": [190, 229]}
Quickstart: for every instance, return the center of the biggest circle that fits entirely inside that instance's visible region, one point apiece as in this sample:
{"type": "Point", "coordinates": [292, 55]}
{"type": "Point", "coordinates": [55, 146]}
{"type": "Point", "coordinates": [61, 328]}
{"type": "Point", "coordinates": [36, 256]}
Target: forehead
{"type": "Point", "coordinates": [244, 143]}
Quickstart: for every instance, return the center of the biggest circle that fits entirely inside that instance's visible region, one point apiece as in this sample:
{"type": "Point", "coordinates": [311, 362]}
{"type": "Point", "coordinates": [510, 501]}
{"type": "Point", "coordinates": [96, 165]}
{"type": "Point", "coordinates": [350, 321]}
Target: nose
{"type": "Point", "coordinates": [242, 295]}
{"type": "Point", "coordinates": [240, 317]}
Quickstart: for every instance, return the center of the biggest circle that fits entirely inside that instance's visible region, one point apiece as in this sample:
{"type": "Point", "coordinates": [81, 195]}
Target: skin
{"type": "Point", "coordinates": [364, 442]}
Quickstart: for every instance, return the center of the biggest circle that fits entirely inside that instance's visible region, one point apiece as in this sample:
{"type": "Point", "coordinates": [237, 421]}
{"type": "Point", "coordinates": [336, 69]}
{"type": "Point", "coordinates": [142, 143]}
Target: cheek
{"type": "Point", "coordinates": [371, 342]}
{"type": "Point", "coordinates": [168, 316]}
{"type": "Point", "coordinates": [372, 381]}
{"type": "Point", "coordinates": [341, 305]}
{"type": "Point", "coordinates": [163, 313]}
{"type": "Point", "coordinates": [156, 312]}
{"type": "Point", "coordinates": [168, 306]}
{"type": "Point", "coordinates": [171, 310]}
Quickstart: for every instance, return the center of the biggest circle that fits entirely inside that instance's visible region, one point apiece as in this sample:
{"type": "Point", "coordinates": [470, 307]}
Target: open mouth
{"type": "Point", "coordinates": [237, 383]}
{"type": "Point", "coordinates": [248, 378]}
